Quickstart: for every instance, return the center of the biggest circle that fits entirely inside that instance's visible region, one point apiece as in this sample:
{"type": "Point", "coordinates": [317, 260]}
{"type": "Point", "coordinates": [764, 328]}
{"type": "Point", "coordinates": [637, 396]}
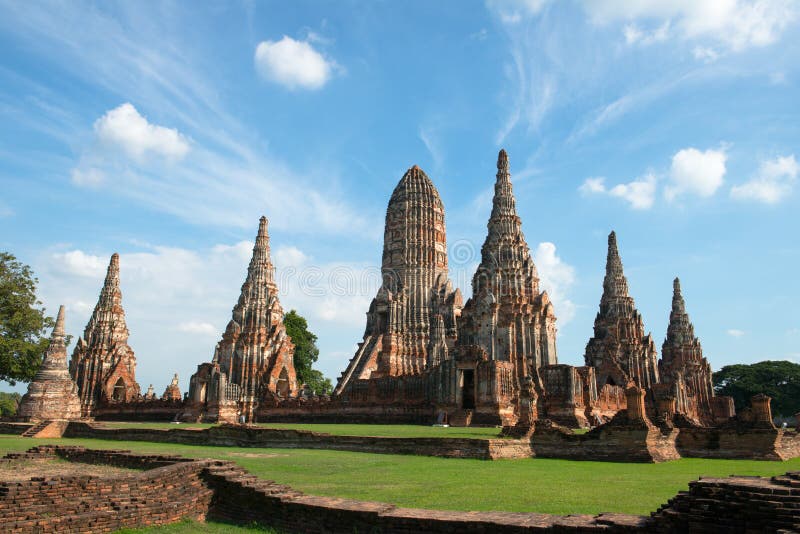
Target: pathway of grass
{"type": "Point", "coordinates": [530, 485]}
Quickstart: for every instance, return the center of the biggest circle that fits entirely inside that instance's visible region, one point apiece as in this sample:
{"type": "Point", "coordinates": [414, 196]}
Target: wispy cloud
{"type": "Point", "coordinates": [774, 182]}
{"type": "Point", "coordinates": [532, 84]}
{"type": "Point", "coordinates": [639, 194]}
{"type": "Point", "coordinates": [735, 332]}
{"type": "Point", "coordinates": [168, 106]}
{"type": "Point", "coordinates": [735, 24]}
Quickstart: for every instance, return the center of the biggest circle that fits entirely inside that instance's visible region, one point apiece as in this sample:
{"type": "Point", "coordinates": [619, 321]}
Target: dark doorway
{"type": "Point", "coordinates": [468, 390]}
{"type": "Point", "coordinates": [119, 391]}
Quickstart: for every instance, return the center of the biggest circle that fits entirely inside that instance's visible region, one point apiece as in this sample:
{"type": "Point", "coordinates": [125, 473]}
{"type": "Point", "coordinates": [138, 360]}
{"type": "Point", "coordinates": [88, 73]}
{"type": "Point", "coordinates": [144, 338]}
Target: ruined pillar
{"type": "Point", "coordinates": [635, 399]}
{"type": "Point", "coordinates": [761, 410]}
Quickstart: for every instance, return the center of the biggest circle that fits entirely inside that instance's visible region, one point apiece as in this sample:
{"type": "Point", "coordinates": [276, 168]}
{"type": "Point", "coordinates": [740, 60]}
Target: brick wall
{"type": "Point", "coordinates": [239, 436]}
{"type": "Point", "coordinates": [170, 490]}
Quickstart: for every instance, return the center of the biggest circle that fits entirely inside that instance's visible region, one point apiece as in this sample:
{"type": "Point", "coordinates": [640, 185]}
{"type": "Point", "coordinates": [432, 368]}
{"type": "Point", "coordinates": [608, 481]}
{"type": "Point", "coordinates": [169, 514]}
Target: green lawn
{"type": "Point", "coordinates": [529, 485]}
{"type": "Point", "coordinates": [400, 431]}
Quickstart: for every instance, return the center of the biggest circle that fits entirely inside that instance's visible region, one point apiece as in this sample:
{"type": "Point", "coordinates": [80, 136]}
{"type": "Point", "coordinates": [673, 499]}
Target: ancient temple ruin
{"type": "Point", "coordinates": [254, 358]}
{"type": "Point", "coordinates": [52, 395]}
{"type": "Point", "coordinates": [411, 323]}
{"type": "Point", "coordinates": [686, 387]}
{"type": "Point", "coordinates": [507, 329]}
{"type": "Point", "coordinates": [103, 364]}
{"type": "Point", "coordinates": [620, 351]}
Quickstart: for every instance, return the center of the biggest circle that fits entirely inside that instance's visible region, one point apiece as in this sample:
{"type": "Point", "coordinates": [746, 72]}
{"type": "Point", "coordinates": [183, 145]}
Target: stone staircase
{"type": "Point", "coordinates": [46, 429]}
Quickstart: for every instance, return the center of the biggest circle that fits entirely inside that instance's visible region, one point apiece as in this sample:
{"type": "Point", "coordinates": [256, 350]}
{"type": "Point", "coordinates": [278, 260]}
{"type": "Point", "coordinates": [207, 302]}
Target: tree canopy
{"type": "Point", "coordinates": [23, 323]}
{"type": "Point", "coordinates": [9, 403]}
{"type": "Point", "coordinates": [778, 379]}
{"type": "Point", "coordinates": [306, 353]}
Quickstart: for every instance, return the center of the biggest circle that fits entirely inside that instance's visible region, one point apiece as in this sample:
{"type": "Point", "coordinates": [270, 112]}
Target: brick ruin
{"type": "Point", "coordinates": [160, 490]}
{"type": "Point", "coordinates": [425, 355]}
{"type": "Point", "coordinates": [52, 394]}
{"type": "Point", "coordinates": [411, 322]}
{"type": "Point", "coordinates": [253, 362]}
{"type": "Point", "coordinates": [103, 364]}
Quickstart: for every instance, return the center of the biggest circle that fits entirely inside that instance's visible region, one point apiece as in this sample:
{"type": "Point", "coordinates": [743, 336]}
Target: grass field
{"type": "Point", "coordinates": [529, 485]}
{"type": "Point", "coordinates": [401, 431]}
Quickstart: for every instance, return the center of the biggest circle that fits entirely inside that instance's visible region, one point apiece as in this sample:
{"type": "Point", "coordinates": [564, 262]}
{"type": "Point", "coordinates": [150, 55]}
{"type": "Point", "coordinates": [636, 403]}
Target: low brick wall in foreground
{"type": "Point", "coordinates": [169, 488]}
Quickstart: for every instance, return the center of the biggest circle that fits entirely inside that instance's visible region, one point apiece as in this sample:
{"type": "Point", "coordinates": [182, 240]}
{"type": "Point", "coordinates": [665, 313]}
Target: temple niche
{"type": "Point", "coordinates": [254, 360]}
{"type": "Point", "coordinates": [620, 351]}
{"type": "Point", "coordinates": [52, 395]}
{"type": "Point", "coordinates": [103, 364]}
{"type": "Point", "coordinates": [411, 322]}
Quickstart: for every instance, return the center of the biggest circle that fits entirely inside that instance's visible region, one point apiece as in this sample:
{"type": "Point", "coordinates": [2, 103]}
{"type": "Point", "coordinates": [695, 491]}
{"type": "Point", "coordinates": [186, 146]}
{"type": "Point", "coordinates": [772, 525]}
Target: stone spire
{"type": "Point", "coordinates": [507, 316]}
{"type": "Point", "coordinates": [680, 329]}
{"type": "Point", "coordinates": [615, 285]}
{"type": "Point", "coordinates": [682, 368]}
{"type": "Point", "coordinates": [620, 350]}
{"type": "Point", "coordinates": [52, 394]}
{"type": "Point", "coordinates": [255, 352]}
{"type": "Point", "coordinates": [103, 364]}
{"type": "Point", "coordinates": [402, 324]}
{"type": "Point", "coordinates": [107, 324]}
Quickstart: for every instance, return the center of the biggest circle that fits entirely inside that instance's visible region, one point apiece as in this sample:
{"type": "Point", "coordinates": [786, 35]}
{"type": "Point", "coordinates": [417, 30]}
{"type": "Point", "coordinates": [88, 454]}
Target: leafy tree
{"type": "Point", "coordinates": [778, 379]}
{"type": "Point", "coordinates": [9, 403]}
{"type": "Point", "coordinates": [23, 323]}
{"type": "Point", "coordinates": [306, 353]}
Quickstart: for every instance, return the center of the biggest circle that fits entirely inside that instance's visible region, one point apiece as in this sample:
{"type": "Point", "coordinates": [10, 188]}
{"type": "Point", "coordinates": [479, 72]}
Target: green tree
{"type": "Point", "coordinates": [23, 323]}
{"type": "Point", "coordinates": [778, 379]}
{"type": "Point", "coordinates": [9, 403]}
{"type": "Point", "coordinates": [306, 353]}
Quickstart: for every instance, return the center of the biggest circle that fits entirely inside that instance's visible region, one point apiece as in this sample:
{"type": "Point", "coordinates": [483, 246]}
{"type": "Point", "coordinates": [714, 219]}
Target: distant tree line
{"type": "Point", "coordinates": [778, 379]}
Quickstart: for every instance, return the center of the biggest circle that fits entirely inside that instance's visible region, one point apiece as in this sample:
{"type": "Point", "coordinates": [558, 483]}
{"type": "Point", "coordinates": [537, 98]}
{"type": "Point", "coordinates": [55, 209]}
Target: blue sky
{"type": "Point", "coordinates": [162, 131]}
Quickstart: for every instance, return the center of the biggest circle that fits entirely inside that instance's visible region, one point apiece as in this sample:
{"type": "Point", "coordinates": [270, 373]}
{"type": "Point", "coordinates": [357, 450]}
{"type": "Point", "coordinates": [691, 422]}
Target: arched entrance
{"type": "Point", "coordinates": [119, 391]}
{"type": "Point", "coordinates": [282, 387]}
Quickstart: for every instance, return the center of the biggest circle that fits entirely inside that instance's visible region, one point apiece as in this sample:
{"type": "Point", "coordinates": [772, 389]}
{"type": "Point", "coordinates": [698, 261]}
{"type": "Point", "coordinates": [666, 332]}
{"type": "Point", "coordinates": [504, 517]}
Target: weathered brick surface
{"type": "Point", "coordinates": [248, 436]}
{"type": "Point", "coordinates": [739, 442]}
{"type": "Point", "coordinates": [614, 443]}
{"type": "Point", "coordinates": [169, 490]}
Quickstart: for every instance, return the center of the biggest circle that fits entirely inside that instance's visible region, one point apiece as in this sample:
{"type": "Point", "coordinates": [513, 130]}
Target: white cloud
{"type": "Point", "coordinates": [514, 11]}
{"type": "Point", "coordinates": [78, 263]}
{"type": "Point", "coordinates": [199, 327]}
{"type": "Point", "coordinates": [737, 24]}
{"type": "Point", "coordinates": [695, 172]}
{"type": "Point", "coordinates": [557, 278]}
{"type": "Point", "coordinates": [734, 332]}
{"type": "Point", "coordinates": [640, 193]}
{"type": "Point", "coordinates": [593, 185]}
{"type": "Point", "coordinates": [634, 35]}
{"type": "Point", "coordinates": [87, 177]}
{"type": "Point", "coordinates": [705, 54]}
{"type": "Point", "coordinates": [293, 64]}
{"type": "Point", "coordinates": [287, 256]}
{"type": "Point", "coordinates": [125, 128]}
{"type": "Point", "coordinates": [774, 181]}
